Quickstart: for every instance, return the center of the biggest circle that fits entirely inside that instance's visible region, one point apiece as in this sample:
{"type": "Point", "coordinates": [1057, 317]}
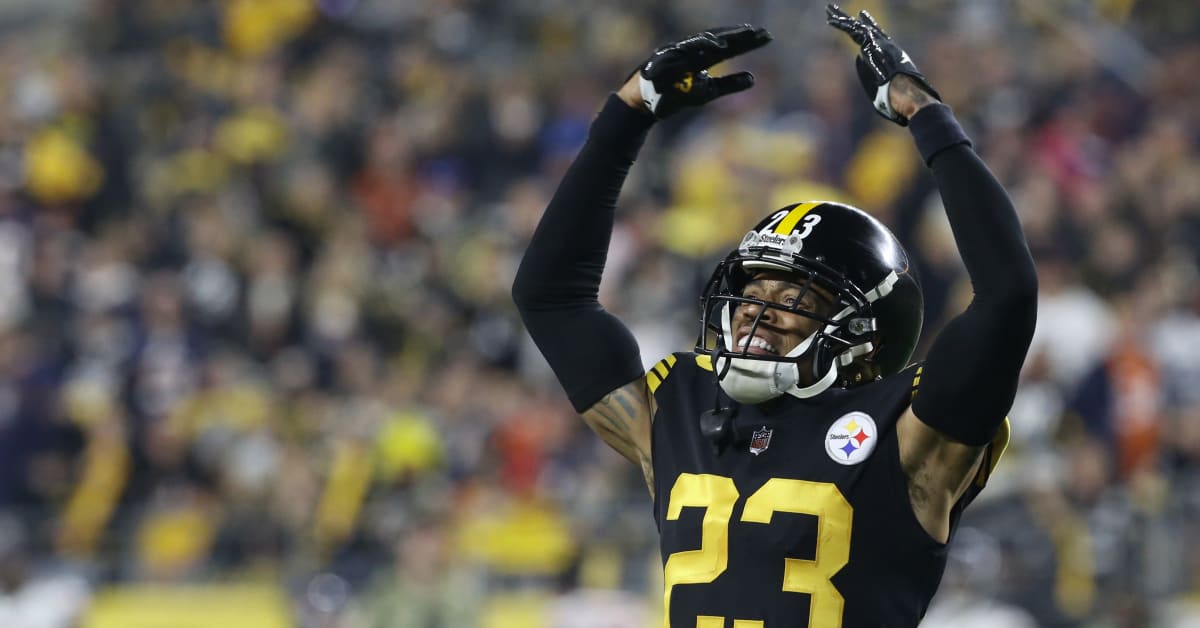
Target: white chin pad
{"type": "Point", "coordinates": [756, 381]}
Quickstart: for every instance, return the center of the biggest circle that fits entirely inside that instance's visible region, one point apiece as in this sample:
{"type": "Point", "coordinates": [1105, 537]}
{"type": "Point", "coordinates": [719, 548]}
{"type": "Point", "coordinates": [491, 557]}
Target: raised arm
{"type": "Point", "coordinates": [971, 371]}
{"type": "Point", "coordinates": [593, 355]}
{"type": "Point", "coordinates": [557, 285]}
{"type": "Point", "coordinates": [970, 374]}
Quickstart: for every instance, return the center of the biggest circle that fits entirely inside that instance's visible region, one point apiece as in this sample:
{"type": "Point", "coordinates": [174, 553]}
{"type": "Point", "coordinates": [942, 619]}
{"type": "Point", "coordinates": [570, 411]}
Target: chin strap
{"type": "Point", "coordinates": [821, 386]}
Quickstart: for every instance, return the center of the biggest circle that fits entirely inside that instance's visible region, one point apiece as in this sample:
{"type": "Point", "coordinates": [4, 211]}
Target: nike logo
{"type": "Point", "coordinates": [904, 57]}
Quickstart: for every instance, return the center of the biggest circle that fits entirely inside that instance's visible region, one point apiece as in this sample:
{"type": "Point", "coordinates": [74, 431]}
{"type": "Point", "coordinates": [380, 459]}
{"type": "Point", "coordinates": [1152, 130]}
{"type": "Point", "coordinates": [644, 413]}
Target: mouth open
{"type": "Point", "coordinates": [756, 345]}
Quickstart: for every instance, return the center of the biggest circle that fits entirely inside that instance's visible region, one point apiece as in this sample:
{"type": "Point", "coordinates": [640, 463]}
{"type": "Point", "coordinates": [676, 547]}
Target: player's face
{"type": "Point", "coordinates": [778, 331]}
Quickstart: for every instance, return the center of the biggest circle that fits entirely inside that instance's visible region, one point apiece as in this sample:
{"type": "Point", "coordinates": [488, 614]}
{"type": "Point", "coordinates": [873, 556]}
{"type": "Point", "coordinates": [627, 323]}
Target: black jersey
{"type": "Point", "coordinates": [802, 520]}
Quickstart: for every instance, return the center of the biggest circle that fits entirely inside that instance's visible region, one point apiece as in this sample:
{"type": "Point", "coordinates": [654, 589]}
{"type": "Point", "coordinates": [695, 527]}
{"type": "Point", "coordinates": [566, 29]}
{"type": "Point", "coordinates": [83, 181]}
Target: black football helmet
{"type": "Point", "coordinates": [869, 332]}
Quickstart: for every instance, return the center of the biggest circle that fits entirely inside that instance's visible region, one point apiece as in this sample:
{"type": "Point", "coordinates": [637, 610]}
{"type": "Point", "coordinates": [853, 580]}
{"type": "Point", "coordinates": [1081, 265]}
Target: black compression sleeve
{"type": "Point", "coordinates": [971, 371]}
{"type": "Point", "coordinates": [557, 285]}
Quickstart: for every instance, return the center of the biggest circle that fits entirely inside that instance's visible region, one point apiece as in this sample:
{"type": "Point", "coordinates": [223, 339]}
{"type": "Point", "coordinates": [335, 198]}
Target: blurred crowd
{"type": "Point", "coordinates": [256, 336]}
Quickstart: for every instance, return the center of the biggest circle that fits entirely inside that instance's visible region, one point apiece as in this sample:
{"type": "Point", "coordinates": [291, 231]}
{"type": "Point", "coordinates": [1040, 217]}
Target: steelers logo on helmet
{"type": "Point", "coordinates": [835, 250]}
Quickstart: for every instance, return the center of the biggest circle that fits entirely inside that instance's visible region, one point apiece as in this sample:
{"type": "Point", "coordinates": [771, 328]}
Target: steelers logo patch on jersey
{"type": "Point", "coordinates": [851, 438]}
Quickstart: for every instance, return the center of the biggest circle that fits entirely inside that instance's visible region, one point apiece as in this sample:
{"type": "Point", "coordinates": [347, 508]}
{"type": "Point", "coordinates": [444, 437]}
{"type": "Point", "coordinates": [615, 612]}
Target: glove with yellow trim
{"type": "Point", "coordinates": [879, 61]}
{"type": "Point", "coordinates": [676, 75]}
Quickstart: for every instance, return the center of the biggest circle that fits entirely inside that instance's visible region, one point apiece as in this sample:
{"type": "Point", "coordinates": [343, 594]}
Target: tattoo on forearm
{"type": "Point", "coordinates": [621, 398]}
{"type": "Point", "coordinates": [613, 421]}
{"type": "Point", "coordinates": [616, 419]}
{"type": "Point", "coordinates": [910, 89]}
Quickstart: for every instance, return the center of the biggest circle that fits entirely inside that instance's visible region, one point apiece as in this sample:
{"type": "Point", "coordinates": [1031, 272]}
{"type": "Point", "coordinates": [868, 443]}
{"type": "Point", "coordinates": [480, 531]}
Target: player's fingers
{"type": "Point", "coordinates": [713, 46]}
{"type": "Point", "coordinates": [873, 55]}
{"type": "Point", "coordinates": [737, 40]}
{"type": "Point", "coordinates": [703, 41]}
{"type": "Point", "coordinates": [832, 11]}
{"type": "Point", "coordinates": [836, 18]}
{"type": "Point", "coordinates": [700, 51]}
{"type": "Point", "coordinates": [732, 83]}
{"type": "Point", "coordinates": [870, 21]}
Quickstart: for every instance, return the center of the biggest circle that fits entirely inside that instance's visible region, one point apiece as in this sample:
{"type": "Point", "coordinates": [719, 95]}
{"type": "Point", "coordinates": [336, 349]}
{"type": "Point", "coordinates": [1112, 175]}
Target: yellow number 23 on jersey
{"type": "Point", "coordinates": [717, 495]}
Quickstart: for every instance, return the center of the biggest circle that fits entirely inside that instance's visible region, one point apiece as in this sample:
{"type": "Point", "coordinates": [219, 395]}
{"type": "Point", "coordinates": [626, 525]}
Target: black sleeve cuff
{"type": "Point", "coordinates": [935, 129]}
{"type": "Point", "coordinates": [621, 127]}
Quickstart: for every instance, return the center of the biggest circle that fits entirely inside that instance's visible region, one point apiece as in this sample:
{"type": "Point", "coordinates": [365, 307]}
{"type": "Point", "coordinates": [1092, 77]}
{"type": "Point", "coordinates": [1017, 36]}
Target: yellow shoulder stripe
{"type": "Point", "coordinates": [704, 361]}
{"type": "Point", "coordinates": [790, 221]}
{"type": "Point", "coordinates": [658, 373]}
{"type": "Point", "coordinates": [661, 367]}
{"type": "Point", "coordinates": [916, 382]}
{"type": "Point", "coordinates": [995, 450]}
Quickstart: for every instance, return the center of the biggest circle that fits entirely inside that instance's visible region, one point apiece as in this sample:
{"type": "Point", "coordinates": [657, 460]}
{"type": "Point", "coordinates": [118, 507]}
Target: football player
{"type": "Point", "coordinates": [804, 474]}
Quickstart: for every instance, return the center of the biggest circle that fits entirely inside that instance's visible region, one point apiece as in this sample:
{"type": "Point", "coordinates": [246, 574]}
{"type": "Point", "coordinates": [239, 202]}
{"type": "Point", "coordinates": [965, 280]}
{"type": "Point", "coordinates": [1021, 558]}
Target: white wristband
{"type": "Point", "coordinates": [650, 96]}
{"type": "Point", "coordinates": [883, 103]}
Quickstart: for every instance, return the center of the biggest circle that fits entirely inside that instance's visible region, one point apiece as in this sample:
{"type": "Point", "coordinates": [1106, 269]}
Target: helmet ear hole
{"type": "Point", "coordinates": [862, 370]}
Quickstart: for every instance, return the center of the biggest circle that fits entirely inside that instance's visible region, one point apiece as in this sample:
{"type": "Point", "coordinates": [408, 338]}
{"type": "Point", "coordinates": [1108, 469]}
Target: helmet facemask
{"type": "Point", "coordinates": [832, 354]}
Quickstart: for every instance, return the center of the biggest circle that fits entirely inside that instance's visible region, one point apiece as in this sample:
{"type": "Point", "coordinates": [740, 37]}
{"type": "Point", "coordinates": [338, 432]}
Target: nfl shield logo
{"type": "Point", "coordinates": [760, 440]}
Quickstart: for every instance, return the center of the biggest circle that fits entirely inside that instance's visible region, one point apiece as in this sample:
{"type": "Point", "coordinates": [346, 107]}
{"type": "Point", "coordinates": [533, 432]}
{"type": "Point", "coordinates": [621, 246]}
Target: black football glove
{"type": "Point", "coordinates": [676, 75]}
{"type": "Point", "coordinates": [879, 61]}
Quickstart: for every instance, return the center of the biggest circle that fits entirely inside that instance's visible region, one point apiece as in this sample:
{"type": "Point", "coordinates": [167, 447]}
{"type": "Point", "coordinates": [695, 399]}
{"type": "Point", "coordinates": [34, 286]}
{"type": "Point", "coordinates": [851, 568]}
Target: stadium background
{"type": "Point", "coordinates": [259, 366]}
